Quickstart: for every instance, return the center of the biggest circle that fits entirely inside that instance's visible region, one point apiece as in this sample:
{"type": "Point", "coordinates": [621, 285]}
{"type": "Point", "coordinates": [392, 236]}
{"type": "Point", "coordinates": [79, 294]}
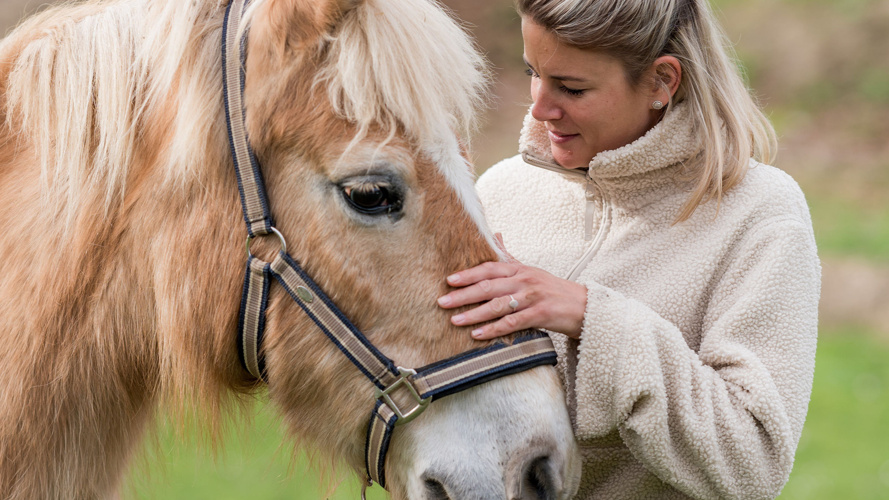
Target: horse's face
{"type": "Point", "coordinates": [380, 222]}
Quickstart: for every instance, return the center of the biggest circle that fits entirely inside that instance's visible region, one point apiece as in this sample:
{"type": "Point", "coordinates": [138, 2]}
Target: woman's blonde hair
{"type": "Point", "coordinates": [637, 32]}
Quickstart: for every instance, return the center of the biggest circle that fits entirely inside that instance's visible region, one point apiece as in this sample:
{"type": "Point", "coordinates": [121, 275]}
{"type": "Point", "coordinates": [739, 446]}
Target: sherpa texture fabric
{"type": "Point", "coordinates": [694, 370]}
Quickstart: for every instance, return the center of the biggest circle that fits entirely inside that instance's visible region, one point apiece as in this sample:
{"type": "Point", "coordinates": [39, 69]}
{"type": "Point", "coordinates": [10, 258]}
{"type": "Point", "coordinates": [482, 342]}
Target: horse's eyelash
{"type": "Point", "coordinates": [363, 185]}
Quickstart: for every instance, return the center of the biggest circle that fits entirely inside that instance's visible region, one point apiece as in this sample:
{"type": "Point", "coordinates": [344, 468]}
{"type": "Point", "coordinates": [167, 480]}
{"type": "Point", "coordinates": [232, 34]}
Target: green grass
{"type": "Point", "coordinates": [843, 454]}
{"type": "Point", "coordinates": [844, 451]}
{"type": "Point", "coordinates": [255, 464]}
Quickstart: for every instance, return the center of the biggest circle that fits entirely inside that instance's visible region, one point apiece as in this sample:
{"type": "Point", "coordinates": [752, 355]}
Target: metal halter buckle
{"type": "Point", "coordinates": [403, 379]}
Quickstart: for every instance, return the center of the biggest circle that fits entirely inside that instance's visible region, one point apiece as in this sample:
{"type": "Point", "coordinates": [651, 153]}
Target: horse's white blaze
{"type": "Point", "coordinates": [458, 172]}
{"type": "Point", "coordinates": [479, 458]}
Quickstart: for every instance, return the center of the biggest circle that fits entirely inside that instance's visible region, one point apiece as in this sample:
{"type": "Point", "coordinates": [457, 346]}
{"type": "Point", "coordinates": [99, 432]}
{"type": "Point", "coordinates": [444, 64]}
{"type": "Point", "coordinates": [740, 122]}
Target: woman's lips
{"type": "Point", "coordinates": [560, 138]}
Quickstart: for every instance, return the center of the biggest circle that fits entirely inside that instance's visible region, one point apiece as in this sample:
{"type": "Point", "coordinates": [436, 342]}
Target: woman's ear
{"type": "Point", "coordinates": [667, 77]}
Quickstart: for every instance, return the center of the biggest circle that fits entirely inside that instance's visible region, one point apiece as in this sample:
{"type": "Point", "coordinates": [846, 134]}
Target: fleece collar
{"type": "Point", "coordinates": [668, 143]}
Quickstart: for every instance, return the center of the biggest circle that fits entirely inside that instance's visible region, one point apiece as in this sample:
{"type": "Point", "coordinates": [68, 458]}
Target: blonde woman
{"type": "Point", "coordinates": [676, 269]}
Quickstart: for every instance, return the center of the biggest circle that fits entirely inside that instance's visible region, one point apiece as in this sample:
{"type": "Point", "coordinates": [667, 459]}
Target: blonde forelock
{"type": "Point", "coordinates": [405, 65]}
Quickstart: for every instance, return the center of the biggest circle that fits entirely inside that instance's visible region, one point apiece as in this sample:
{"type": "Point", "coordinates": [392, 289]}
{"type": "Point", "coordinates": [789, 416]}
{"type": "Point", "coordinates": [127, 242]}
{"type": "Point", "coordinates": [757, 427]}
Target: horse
{"type": "Point", "coordinates": [122, 264]}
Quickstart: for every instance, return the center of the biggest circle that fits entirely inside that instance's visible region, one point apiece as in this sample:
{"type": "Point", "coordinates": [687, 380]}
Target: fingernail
{"type": "Point", "coordinates": [454, 278]}
{"type": "Point", "coordinates": [478, 333]}
{"type": "Point", "coordinates": [444, 301]}
{"type": "Point", "coordinates": [458, 319]}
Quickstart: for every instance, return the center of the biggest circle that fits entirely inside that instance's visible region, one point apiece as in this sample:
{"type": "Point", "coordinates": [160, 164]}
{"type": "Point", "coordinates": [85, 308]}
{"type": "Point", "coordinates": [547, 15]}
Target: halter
{"type": "Point", "coordinates": [423, 385]}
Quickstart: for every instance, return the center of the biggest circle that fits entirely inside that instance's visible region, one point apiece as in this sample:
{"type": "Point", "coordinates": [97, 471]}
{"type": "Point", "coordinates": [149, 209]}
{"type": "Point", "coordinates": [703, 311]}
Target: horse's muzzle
{"type": "Point", "coordinates": [510, 439]}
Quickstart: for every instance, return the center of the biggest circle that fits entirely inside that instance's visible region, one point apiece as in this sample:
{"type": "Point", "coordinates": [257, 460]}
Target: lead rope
{"type": "Point", "coordinates": [424, 385]}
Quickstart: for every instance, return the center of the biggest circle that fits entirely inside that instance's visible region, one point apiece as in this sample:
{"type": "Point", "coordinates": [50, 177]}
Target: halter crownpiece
{"type": "Point", "coordinates": [423, 385]}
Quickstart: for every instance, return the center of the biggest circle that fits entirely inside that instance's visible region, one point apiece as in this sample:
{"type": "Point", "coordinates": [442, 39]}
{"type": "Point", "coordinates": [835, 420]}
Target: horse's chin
{"type": "Point", "coordinates": [508, 439]}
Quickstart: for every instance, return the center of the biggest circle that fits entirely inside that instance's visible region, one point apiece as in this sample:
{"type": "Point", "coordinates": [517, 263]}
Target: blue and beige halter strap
{"type": "Point", "coordinates": [420, 386]}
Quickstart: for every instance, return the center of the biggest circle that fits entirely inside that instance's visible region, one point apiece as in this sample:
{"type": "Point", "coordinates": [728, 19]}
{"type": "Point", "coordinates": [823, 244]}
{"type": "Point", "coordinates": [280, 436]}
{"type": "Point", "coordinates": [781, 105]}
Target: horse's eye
{"type": "Point", "coordinates": [368, 197]}
{"type": "Point", "coordinates": [371, 199]}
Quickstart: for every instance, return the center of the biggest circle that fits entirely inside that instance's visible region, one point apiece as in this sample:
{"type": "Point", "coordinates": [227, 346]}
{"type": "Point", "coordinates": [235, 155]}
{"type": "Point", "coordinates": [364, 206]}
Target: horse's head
{"type": "Point", "coordinates": [356, 109]}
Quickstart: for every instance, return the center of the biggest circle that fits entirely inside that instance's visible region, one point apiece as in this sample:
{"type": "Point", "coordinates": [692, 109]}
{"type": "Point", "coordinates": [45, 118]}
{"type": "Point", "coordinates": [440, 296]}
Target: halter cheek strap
{"type": "Point", "coordinates": [419, 387]}
{"type": "Point", "coordinates": [254, 201]}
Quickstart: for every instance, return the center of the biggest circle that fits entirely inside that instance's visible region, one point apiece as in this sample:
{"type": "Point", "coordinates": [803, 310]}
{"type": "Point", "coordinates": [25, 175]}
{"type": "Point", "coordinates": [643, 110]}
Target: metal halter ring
{"type": "Point", "coordinates": [277, 233]}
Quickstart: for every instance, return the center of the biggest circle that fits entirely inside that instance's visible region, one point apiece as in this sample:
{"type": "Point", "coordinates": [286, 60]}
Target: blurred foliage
{"type": "Point", "coordinates": [844, 227]}
{"type": "Point", "coordinates": [874, 85]}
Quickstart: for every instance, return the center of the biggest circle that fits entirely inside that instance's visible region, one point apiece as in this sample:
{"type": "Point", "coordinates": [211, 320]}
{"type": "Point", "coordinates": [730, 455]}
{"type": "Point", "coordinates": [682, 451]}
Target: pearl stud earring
{"type": "Point", "coordinates": [657, 105]}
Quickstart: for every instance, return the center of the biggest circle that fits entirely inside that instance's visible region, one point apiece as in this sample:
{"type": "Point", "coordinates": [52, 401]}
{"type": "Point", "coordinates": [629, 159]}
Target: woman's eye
{"type": "Point", "coordinates": [573, 92]}
{"type": "Point", "coordinates": [371, 199]}
{"type": "Point", "coordinates": [530, 73]}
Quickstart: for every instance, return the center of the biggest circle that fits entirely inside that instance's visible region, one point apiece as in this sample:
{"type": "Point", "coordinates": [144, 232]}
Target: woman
{"type": "Point", "coordinates": [677, 271]}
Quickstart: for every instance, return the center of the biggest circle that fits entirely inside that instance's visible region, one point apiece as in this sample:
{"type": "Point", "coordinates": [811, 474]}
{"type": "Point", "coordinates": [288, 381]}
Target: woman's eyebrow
{"type": "Point", "coordinates": [556, 77]}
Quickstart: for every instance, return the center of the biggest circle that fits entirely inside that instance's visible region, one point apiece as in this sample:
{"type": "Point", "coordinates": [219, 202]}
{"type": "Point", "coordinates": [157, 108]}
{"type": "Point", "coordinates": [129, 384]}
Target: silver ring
{"type": "Point", "coordinates": [273, 231]}
{"type": "Point", "coordinates": [513, 303]}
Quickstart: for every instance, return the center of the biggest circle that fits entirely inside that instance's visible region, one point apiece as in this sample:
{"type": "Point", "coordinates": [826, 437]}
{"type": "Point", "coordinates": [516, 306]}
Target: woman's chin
{"type": "Point", "coordinates": [568, 158]}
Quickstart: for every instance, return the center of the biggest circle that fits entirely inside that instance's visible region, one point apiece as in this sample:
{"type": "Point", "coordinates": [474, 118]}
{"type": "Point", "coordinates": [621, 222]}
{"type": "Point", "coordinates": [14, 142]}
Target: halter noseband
{"type": "Point", "coordinates": [423, 385]}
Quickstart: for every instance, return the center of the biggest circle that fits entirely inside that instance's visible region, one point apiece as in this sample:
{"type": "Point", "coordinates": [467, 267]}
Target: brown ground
{"type": "Point", "coordinates": [820, 68]}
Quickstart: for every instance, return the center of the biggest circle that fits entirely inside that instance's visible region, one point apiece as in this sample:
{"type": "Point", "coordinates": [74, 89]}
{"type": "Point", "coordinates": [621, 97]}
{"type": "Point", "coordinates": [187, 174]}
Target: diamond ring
{"type": "Point", "coordinates": [513, 303]}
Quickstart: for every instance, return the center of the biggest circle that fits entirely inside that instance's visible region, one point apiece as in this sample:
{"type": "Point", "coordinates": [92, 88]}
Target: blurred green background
{"type": "Point", "coordinates": [821, 70]}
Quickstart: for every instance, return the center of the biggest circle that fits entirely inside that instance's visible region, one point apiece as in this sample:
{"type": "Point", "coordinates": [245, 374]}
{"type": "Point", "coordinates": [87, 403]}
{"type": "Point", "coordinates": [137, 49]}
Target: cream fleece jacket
{"type": "Point", "coordinates": [694, 370]}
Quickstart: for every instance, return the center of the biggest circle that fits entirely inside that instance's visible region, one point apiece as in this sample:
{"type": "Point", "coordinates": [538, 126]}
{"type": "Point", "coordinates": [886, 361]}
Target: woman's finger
{"type": "Point", "coordinates": [483, 291]}
{"type": "Point", "coordinates": [511, 323]}
{"type": "Point", "coordinates": [486, 271]}
{"type": "Point", "coordinates": [491, 310]}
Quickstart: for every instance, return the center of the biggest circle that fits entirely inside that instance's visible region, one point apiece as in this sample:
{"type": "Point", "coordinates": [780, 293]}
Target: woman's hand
{"type": "Point", "coordinates": [541, 300]}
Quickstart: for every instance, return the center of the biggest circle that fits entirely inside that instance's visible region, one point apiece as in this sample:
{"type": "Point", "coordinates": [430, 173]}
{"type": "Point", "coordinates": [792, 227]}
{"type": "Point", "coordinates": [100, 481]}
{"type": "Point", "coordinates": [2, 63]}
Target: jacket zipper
{"type": "Point", "coordinates": [589, 192]}
{"type": "Point", "coordinates": [591, 189]}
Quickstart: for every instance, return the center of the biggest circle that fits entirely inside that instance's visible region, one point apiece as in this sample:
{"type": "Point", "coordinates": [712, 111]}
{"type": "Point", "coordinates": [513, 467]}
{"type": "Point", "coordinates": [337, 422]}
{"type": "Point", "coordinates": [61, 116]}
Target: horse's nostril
{"type": "Point", "coordinates": [435, 490]}
{"type": "Point", "coordinates": [537, 482]}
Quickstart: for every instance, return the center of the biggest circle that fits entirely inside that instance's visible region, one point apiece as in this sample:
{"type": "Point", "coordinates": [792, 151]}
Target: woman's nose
{"type": "Point", "coordinates": [545, 108]}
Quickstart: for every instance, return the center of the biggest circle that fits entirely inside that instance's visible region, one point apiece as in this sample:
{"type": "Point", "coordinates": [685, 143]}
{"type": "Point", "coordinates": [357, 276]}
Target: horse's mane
{"type": "Point", "coordinates": [92, 79]}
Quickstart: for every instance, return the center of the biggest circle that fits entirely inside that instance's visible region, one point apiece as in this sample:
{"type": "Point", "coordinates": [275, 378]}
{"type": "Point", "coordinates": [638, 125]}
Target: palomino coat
{"type": "Point", "coordinates": [694, 369]}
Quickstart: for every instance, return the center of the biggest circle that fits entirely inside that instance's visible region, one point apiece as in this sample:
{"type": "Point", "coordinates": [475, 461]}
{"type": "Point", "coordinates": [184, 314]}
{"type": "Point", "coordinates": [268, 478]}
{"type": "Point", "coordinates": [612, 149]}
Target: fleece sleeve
{"type": "Point", "coordinates": [723, 421]}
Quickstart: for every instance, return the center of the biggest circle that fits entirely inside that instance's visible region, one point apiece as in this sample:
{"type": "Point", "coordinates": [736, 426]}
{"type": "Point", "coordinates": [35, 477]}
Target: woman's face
{"type": "Point", "coordinates": [583, 97]}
